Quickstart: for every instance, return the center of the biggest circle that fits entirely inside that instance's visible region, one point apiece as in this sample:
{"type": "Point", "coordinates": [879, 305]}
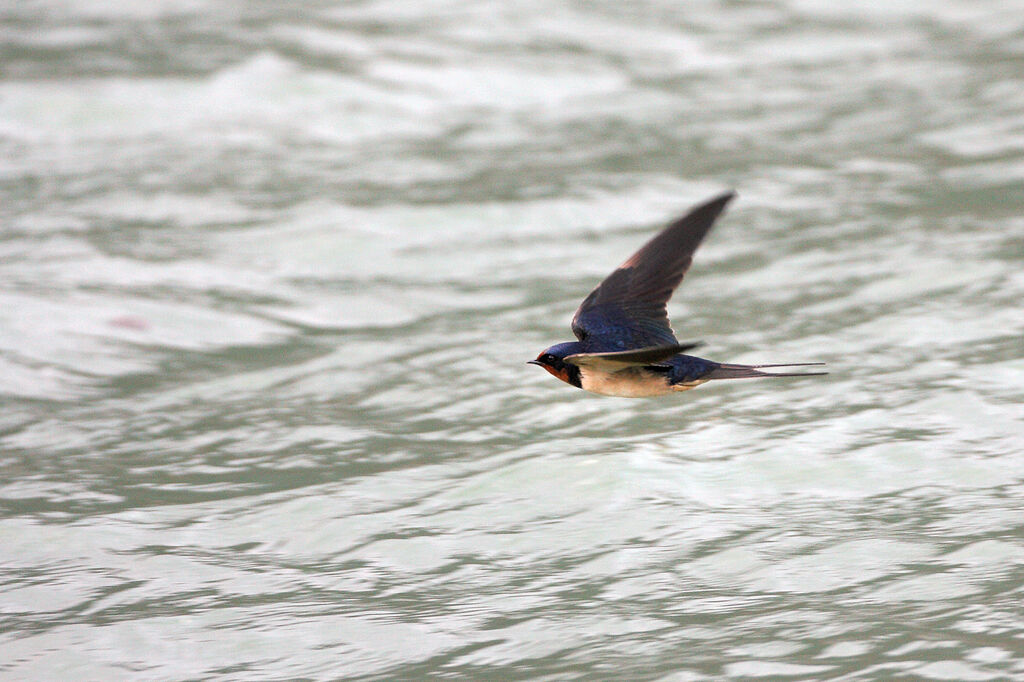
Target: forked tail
{"type": "Point", "coordinates": [726, 371]}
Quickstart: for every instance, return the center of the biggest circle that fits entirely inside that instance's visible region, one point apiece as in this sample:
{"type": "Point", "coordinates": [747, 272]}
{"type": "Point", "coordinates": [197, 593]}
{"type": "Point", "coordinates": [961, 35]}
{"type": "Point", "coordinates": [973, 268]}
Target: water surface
{"type": "Point", "coordinates": [269, 277]}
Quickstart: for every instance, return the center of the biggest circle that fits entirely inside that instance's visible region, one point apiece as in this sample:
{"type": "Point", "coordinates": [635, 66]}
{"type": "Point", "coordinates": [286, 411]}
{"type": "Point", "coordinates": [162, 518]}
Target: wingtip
{"type": "Point", "coordinates": [719, 202]}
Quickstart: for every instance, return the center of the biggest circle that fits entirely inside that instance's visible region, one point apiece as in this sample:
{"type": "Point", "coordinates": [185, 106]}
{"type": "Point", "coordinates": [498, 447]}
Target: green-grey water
{"type": "Point", "coordinates": [269, 276]}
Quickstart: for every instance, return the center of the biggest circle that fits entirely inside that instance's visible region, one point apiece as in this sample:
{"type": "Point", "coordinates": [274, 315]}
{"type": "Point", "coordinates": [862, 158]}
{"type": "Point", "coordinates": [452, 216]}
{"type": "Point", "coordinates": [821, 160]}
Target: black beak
{"type": "Point", "coordinates": [534, 362]}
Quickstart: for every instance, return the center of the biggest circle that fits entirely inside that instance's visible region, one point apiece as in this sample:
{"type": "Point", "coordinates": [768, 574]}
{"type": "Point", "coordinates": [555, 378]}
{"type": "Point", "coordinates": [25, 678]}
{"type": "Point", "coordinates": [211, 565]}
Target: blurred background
{"type": "Point", "coordinates": [270, 272]}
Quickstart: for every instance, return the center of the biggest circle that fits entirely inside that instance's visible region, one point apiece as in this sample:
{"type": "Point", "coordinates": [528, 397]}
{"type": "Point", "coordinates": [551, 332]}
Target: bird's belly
{"type": "Point", "coordinates": [628, 383]}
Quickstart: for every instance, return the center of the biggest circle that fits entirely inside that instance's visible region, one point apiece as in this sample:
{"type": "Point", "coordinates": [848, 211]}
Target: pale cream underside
{"type": "Point", "coordinates": [629, 383]}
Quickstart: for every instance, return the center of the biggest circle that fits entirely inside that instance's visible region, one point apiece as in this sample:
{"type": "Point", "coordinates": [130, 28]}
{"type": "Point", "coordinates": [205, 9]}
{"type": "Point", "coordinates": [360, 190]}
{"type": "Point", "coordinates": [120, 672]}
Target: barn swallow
{"type": "Point", "coordinates": [625, 345]}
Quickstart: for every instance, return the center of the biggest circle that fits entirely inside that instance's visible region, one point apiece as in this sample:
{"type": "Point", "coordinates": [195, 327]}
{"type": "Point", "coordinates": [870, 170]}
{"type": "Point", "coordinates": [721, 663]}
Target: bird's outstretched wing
{"type": "Point", "coordinates": [616, 360]}
{"type": "Point", "coordinates": [627, 310]}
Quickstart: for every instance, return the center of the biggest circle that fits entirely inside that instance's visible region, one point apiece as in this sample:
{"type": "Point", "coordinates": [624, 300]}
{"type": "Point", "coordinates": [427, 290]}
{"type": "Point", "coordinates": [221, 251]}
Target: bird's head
{"type": "Point", "coordinates": [553, 360]}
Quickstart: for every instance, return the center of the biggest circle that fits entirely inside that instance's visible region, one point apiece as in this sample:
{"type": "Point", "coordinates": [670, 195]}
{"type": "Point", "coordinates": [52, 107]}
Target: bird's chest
{"type": "Point", "coordinates": [628, 383]}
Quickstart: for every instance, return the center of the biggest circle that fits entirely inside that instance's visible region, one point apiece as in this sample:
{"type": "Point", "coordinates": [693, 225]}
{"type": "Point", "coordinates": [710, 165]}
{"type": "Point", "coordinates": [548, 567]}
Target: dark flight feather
{"type": "Point", "coordinates": [729, 371]}
{"type": "Point", "coordinates": [617, 360]}
{"type": "Point", "coordinates": [628, 309]}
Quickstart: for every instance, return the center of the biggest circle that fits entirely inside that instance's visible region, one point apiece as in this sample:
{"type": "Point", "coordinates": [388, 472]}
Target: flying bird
{"type": "Point", "coordinates": [625, 345]}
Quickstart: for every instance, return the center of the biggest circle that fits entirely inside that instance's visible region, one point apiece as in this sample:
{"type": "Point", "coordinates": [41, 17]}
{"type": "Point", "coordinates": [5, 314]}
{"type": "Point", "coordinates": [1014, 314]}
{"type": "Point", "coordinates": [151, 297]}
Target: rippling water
{"type": "Point", "coordinates": [269, 277]}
